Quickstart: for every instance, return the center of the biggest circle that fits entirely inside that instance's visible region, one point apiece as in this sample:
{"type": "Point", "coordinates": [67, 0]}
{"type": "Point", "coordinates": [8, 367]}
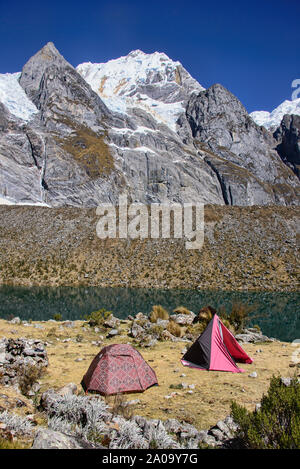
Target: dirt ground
{"type": "Point", "coordinates": [208, 402]}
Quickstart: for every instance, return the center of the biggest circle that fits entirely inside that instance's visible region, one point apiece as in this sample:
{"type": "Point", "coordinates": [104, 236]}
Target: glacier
{"type": "Point", "coordinates": [272, 120]}
{"type": "Point", "coordinates": [14, 97]}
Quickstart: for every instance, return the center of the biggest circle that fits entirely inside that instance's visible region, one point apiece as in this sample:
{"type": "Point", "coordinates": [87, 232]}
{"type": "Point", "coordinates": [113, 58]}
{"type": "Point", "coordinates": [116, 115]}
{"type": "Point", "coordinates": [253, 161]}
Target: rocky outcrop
{"type": "Point", "coordinates": [46, 438]}
{"type": "Point", "coordinates": [288, 137]}
{"type": "Point", "coordinates": [17, 354]}
{"type": "Point", "coordinates": [241, 153]}
{"type": "Point", "coordinates": [252, 335]}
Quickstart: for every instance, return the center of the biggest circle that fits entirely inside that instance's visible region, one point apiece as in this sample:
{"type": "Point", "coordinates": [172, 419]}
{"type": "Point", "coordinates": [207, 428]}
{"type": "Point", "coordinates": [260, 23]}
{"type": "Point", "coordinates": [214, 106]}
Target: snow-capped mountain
{"type": "Point", "coordinates": [138, 124]}
{"type": "Point", "coordinates": [272, 120]}
{"type": "Point", "coordinates": [152, 82]}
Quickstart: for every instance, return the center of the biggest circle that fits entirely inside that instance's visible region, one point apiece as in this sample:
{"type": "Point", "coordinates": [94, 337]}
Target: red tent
{"type": "Point", "coordinates": [118, 368]}
{"type": "Point", "coordinates": [216, 349]}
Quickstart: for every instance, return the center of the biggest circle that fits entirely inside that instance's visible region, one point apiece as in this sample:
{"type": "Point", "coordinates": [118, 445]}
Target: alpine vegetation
{"type": "Point", "coordinates": [16, 424]}
{"type": "Point", "coordinates": [128, 436]}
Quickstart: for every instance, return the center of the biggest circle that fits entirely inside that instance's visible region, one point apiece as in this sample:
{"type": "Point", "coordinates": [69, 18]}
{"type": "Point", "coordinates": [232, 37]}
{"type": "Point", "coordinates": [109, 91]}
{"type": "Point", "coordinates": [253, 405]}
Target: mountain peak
{"type": "Point", "coordinates": [153, 82]}
{"type": "Point", "coordinates": [272, 120]}
{"type": "Point", "coordinates": [34, 69]}
{"type": "Point", "coordinates": [50, 49]}
{"type": "Point", "coordinates": [136, 52]}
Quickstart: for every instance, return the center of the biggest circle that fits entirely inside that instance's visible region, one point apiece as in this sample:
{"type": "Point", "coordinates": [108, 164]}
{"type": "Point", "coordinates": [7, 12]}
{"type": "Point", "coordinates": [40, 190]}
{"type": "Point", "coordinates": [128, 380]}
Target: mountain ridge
{"type": "Point", "coordinates": [78, 147]}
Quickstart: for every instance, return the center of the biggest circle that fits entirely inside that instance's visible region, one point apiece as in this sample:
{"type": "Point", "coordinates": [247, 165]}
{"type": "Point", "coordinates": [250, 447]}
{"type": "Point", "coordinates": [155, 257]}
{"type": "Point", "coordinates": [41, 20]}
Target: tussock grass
{"type": "Point", "coordinates": [158, 312]}
{"type": "Point", "coordinates": [181, 310]}
{"type": "Point", "coordinates": [175, 329]}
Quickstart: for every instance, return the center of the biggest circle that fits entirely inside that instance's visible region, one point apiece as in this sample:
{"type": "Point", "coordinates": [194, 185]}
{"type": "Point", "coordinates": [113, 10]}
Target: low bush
{"type": "Point", "coordinates": [27, 376]}
{"type": "Point", "coordinates": [8, 444]}
{"type": "Point", "coordinates": [205, 315]}
{"type": "Point", "coordinates": [156, 331]}
{"type": "Point", "coordinates": [276, 425]}
{"type": "Point", "coordinates": [52, 333]}
{"type": "Point", "coordinates": [239, 315]}
{"type": "Point", "coordinates": [57, 317]}
{"type": "Point", "coordinates": [97, 318]}
{"type": "Point", "coordinates": [120, 407]}
{"type": "Point", "coordinates": [158, 312]}
{"type": "Point", "coordinates": [196, 329]}
{"type": "Point", "coordinates": [181, 310]}
{"type": "Point", "coordinates": [175, 329]}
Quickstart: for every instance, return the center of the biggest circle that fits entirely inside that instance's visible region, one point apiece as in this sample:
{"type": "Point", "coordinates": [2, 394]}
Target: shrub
{"type": "Point", "coordinates": [158, 312]}
{"type": "Point", "coordinates": [175, 329]}
{"type": "Point", "coordinates": [52, 332]}
{"type": "Point", "coordinates": [196, 329]}
{"type": "Point", "coordinates": [156, 331]}
{"type": "Point", "coordinates": [97, 318]}
{"type": "Point", "coordinates": [15, 423]}
{"type": "Point", "coordinates": [79, 415]}
{"type": "Point", "coordinates": [239, 315]}
{"type": "Point", "coordinates": [276, 425]}
{"type": "Point", "coordinates": [181, 310]}
{"type": "Point", "coordinates": [205, 314]}
{"type": "Point", "coordinates": [27, 376]}
{"type": "Point", "coordinates": [7, 444]}
{"type": "Point", "coordinates": [57, 317]}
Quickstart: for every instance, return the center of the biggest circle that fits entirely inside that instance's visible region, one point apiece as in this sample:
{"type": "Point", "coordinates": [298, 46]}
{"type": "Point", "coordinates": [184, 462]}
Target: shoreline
{"type": "Point", "coordinates": [165, 288]}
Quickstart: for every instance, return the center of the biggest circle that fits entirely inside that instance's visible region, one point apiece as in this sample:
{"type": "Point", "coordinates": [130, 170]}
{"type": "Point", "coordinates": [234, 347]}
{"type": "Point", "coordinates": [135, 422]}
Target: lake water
{"type": "Point", "coordinates": [277, 314]}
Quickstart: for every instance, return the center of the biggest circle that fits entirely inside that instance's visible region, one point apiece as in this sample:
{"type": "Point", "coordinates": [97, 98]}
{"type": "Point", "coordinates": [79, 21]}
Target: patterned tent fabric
{"type": "Point", "coordinates": [118, 368]}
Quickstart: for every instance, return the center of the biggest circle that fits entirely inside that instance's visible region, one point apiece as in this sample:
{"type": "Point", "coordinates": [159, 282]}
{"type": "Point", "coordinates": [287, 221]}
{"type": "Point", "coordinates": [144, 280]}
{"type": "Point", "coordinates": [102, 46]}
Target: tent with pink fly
{"type": "Point", "coordinates": [216, 349]}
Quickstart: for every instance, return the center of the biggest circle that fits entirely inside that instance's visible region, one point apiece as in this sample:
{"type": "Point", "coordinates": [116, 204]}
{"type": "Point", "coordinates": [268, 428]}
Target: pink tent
{"type": "Point", "coordinates": [216, 349]}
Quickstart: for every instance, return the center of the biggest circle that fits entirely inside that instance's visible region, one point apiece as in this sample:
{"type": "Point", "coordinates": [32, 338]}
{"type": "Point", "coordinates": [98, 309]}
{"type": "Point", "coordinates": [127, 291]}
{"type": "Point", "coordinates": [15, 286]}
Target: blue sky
{"type": "Point", "coordinates": [252, 48]}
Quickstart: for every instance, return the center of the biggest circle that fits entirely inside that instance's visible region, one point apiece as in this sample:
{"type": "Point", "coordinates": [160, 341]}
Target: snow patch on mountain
{"type": "Point", "coordinates": [14, 97]}
{"type": "Point", "coordinates": [9, 201]}
{"type": "Point", "coordinates": [147, 81]}
{"type": "Point", "coordinates": [272, 120]}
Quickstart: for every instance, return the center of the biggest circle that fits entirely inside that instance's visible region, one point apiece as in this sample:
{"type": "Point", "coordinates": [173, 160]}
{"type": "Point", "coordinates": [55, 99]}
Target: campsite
{"type": "Point", "coordinates": [149, 229]}
{"type": "Point", "coordinates": [199, 398]}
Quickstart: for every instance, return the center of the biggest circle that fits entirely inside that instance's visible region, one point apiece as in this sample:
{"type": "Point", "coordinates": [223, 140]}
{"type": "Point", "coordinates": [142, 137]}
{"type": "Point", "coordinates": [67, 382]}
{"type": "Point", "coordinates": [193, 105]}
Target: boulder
{"type": "Point", "coordinates": [50, 439]}
{"type": "Point", "coordinates": [69, 389]}
{"type": "Point", "coordinates": [183, 319]}
{"type": "Point", "coordinates": [252, 335]}
{"type": "Point", "coordinates": [112, 322]}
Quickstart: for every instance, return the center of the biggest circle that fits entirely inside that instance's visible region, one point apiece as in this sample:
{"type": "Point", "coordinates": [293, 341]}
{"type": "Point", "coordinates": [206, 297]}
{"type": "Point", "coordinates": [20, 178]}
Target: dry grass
{"type": "Point", "coordinates": [214, 391]}
{"type": "Point", "coordinates": [249, 248]}
{"type": "Point", "coordinates": [181, 310]}
{"type": "Point", "coordinates": [158, 312]}
{"type": "Point", "coordinates": [175, 329]}
{"type": "Point", "coordinates": [90, 151]}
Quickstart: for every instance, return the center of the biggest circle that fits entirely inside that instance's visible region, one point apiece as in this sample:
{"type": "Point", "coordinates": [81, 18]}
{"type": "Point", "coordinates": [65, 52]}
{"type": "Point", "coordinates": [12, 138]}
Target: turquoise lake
{"type": "Point", "coordinates": [277, 314]}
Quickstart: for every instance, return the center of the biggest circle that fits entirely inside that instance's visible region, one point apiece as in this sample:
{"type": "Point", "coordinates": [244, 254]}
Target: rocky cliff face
{"type": "Point", "coordinates": [241, 153]}
{"type": "Point", "coordinates": [139, 124]}
{"type": "Point", "coordinates": [288, 137]}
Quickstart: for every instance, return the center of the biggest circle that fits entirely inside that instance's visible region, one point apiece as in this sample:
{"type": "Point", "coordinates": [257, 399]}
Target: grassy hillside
{"type": "Point", "coordinates": [245, 248]}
